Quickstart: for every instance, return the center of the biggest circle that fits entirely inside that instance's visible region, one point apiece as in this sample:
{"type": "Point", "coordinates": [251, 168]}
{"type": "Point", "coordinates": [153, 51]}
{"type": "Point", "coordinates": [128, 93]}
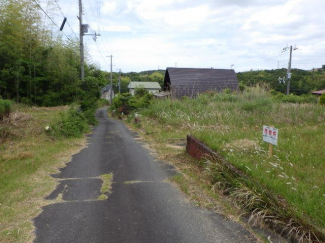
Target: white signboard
{"type": "Point", "coordinates": [270, 135]}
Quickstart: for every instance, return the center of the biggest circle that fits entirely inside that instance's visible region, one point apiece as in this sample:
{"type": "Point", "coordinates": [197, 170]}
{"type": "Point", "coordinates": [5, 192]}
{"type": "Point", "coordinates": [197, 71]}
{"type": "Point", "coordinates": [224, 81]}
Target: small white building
{"type": "Point", "coordinates": [151, 87]}
{"type": "Point", "coordinates": [106, 93]}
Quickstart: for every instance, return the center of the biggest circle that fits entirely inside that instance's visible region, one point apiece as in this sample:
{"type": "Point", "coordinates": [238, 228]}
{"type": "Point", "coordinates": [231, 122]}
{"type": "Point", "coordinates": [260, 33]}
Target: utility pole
{"type": "Point", "coordinates": [288, 77]}
{"type": "Point", "coordinates": [111, 92]}
{"type": "Point", "coordinates": [231, 66]}
{"type": "Point", "coordinates": [289, 71]}
{"type": "Point", "coordinates": [83, 28]}
{"type": "Point", "coordinates": [119, 82]}
{"type": "Point", "coordinates": [81, 36]}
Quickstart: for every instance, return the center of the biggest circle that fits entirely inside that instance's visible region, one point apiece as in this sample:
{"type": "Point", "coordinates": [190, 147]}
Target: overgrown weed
{"type": "Point", "coordinates": [295, 173]}
{"type": "Point", "coordinates": [27, 157]}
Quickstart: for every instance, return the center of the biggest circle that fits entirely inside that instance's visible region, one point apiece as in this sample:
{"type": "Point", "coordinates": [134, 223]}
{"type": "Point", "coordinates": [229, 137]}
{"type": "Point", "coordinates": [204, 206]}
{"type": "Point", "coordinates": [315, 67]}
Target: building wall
{"type": "Point", "coordinates": [107, 95]}
{"type": "Point", "coordinates": [200, 151]}
{"type": "Point", "coordinates": [152, 91]}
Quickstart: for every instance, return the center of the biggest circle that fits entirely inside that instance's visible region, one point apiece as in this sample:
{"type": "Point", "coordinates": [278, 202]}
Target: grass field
{"type": "Point", "coordinates": [27, 158]}
{"type": "Point", "coordinates": [231, 124]}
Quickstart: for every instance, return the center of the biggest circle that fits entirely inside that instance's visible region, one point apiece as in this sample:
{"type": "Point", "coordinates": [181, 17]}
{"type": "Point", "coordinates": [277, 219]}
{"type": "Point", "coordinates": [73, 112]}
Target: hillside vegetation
{"type": "Point", "coordinates": [231, 124]}
{"type": "Point", "coordinates": [302, 81]}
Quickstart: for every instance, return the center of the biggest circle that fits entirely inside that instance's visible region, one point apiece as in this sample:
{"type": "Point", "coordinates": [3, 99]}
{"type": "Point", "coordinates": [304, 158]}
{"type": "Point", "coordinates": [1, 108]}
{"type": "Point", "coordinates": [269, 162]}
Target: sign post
{"type": "Point", "coordinates": [270, 135]}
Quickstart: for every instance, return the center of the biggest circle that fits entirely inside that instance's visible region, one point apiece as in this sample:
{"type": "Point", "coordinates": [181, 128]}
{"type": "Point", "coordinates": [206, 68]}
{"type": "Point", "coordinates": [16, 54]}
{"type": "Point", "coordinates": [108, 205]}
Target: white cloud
{"type": "Point", "coordinates": [273, 16]}
{"type": "Point", "coordinates": [142, 34]}
{"type": "Point", "coordinates": [116, 28]}
{"type": "Point", "coordinates": [109, 7]}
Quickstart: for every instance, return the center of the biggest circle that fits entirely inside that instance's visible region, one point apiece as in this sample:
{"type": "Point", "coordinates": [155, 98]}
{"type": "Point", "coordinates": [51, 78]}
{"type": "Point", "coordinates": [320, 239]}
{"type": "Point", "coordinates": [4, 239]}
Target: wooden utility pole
{"type": "Point", "coordinates": [111, 92]}
{"type": "Point", "coordinates": [81, 36]}
{"type": "Point", "coordinates": [119, 82]}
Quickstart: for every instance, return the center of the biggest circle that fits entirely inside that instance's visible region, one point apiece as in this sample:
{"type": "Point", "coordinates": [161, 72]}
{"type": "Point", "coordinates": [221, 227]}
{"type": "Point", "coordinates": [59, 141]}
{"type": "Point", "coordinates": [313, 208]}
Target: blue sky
{"type": "Point", "coordinates": [147, 34]}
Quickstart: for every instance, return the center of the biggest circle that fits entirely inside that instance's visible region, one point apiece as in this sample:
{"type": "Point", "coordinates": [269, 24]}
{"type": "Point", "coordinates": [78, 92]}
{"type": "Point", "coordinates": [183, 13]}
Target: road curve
{"type": "Point", "coordinates": [142, 206]}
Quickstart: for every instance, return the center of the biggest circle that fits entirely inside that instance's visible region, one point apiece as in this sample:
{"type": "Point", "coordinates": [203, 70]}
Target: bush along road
{"type": "Point", "coordinates": [115, 191]}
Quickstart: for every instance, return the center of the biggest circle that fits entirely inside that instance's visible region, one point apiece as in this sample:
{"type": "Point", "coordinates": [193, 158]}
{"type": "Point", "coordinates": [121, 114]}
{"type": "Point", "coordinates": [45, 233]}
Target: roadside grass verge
{"type": "Point", "coordinates": [231, 124]}
{"type": "Point", "coordinates": [27, 158]}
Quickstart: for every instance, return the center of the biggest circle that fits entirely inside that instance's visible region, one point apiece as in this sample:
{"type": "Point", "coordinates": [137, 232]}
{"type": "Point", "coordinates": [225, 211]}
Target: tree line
{"type": "Point", "coordinates": [302, 81]}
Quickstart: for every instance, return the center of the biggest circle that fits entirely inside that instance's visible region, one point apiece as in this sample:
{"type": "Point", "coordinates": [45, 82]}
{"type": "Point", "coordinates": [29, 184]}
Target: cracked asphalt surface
{"type": "Point", "coordinates": [142, 206]}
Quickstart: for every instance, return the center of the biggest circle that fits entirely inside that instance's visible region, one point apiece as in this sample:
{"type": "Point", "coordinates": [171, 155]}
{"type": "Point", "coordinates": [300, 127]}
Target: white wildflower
{"type": "Point", "coordinates": [293, 178]}
{"type": "Point", "coordinates": [289, 183]}
{"type": "Point", "coordinates": [315, 187]}
{"type": "Point", "coordinates": [274, 165]}
{"type": "Point", "coordinates": [47, 128]}
{"type": "Point", "coordinates": [268, 171]}
{"type": "Point", "coordinates": [291, 164]}
{"type": "Point", "coordinates": [293, 188]}
{"type": "Point", "coordinates": [248, 168]}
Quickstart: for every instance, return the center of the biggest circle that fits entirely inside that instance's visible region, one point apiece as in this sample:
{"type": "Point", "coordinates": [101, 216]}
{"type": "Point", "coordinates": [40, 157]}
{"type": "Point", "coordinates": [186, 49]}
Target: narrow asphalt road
{"type": "Point", "coordinates": [142, 207]}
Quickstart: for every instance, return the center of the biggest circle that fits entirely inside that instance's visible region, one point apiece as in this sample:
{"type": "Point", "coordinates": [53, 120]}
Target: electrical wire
{"type": "Point", "coordinates": [50, 18]}
{"type": "Point", "coordinates": [57, 4]}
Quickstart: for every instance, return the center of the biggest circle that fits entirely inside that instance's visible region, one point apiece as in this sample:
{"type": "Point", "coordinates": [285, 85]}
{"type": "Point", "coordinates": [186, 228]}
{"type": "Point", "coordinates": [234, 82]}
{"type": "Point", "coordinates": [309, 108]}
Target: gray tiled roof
{"type": "Point", "coordinates": [192, 81]}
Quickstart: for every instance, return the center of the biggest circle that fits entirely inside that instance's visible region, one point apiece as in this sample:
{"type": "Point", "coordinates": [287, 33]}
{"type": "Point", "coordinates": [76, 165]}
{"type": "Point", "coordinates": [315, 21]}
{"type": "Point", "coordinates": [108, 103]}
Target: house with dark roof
{"type": "Point", "coordinates": [318, 92]}
{"type": "Point", "coordinates": [193, 81]}
{"type": "Point", "coordinates": [151, 87]}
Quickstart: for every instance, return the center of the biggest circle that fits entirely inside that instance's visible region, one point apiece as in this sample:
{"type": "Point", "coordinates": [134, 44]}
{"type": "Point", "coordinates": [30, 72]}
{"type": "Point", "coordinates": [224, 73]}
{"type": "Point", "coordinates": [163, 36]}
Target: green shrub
{"type": "Point", "coordinates": [291, 99]}
{"type": "Point", "coordinates": [125, 103]}
{"type": "Point", "coordinates": [143, 101]}
{"type": "Point", "coordinates": [260, 105]}
{"type": "Point", "coordinates": [139, 92]}
{"type": "Point", "coordinates": [224, 97]}
{"type": "Point", "coordinates": [5, 108]}
{"type": "Point", "coordinates": [322, 99]}
{"type": "Point", "coordinates": [102, 102]}
{"type": "Point", "coordinates": [296, 99]}
{"type": "Point", "coordinates": [227, 91]}
{"type": "Point", "coordinates": [90, 117]}
{"type": "Point", "coordinates": [309, 98]}
{"type": "Point", "coordinates": [241, 87]}
{"type": "Point", "coordinates": [72, 123]}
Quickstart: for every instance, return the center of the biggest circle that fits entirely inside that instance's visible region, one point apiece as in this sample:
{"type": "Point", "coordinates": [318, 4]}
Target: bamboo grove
{"type": "Point", "coordinates": [37, 65]}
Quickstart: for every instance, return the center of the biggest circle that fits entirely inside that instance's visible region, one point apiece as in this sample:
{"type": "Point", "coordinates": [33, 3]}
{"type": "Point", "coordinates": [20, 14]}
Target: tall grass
{"type": "Point", "coordinates": [232, 125]}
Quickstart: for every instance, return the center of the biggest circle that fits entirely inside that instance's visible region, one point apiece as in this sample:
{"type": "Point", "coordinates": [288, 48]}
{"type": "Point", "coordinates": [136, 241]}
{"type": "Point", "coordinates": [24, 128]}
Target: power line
{"type": "Point", "coordinates": [100, 52]}
{"type": "Point", "coordinates": [46, 13]}
{"type": "Point", "coordinates": [57, 4]}
{"type": "Point", "coordinates": [50, 19]}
